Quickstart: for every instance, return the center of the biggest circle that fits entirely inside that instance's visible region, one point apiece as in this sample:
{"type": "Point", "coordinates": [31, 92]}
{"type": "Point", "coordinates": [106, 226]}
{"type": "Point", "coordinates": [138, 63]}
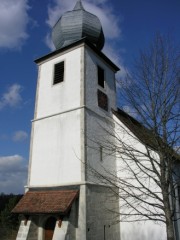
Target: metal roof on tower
{"type": "Point", "coordinates": [75, 25]}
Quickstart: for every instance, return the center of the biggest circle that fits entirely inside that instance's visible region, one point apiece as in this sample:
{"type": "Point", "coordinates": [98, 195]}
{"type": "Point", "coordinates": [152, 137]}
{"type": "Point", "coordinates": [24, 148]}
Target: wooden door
{"type": "Point", "coordinates": [49, 228]}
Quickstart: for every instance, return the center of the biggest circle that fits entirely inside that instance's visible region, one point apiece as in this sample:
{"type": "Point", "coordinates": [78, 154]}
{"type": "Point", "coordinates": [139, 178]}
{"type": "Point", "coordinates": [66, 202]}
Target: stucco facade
{"type": "Point", "coordinates": [56, 128]}
{"type": "Point", "coordinates": [65, 114]}
{"type": "Point", "coordinates": [133, 149]}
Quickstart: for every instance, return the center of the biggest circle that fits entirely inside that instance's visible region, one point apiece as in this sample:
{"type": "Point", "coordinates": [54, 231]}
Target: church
{"type": "Point", "coordinates": [75, 108]}
{"type": "Point", "coordinates": [75, 93]}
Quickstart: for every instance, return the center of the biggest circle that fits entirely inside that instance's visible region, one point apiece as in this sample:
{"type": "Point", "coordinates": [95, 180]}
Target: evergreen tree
{"type": "Point", "coordinates": [9, 222]}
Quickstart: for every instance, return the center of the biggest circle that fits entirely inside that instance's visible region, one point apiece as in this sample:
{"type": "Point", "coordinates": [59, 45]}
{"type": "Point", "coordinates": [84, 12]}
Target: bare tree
{"type": "Point", "coordinates": [147, 148]}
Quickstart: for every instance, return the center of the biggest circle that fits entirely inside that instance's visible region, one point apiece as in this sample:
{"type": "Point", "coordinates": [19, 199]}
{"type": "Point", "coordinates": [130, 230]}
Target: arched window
{"type": "Point", "coordinates": [49, 228]}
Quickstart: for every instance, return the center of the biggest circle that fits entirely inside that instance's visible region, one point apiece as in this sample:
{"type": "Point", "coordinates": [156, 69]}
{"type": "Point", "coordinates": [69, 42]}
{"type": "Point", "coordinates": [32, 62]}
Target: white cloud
{"type": "Point", "coordinates": [101, 8]}
{"type": "Point", "coordinates": [10, 163]}
{"type": "Point", "coordinates": [19, 136]}
{"type": "Point", "coordinates": [49, 42]}
{"type": "Point", "coordinates": [13, 23]}
{"type": "Point", "coordinates": [105, 12]}
{"type": "Point", "coordinates": [11, 98]}
{"type": "Point", "coordinates": [13, 174]}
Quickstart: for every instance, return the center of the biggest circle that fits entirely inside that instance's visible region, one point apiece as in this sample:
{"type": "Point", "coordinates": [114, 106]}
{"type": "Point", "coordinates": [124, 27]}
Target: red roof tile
{"type": "Point", "coordinates": [34, 202]}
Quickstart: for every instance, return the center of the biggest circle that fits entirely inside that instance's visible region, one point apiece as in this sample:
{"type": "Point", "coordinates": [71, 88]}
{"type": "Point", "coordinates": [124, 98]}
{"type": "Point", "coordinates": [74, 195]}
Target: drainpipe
{"type": "Point", "coordinates": [104, 232]}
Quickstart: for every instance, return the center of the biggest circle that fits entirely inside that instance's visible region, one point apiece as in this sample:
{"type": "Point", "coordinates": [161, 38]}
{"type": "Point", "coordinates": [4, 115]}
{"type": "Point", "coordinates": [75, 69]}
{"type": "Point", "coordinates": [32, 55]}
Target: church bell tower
{"type": "Point", "coordinates": [75, 94]}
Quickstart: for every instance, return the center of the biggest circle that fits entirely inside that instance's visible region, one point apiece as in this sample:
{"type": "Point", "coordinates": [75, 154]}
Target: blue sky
{"type": "Point", "coordinates": [25, 27]}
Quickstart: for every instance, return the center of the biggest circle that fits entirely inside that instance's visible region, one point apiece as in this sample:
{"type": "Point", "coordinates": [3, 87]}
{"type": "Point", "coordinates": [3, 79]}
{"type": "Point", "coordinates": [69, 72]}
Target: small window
{"type": "Point", "coordinates": [102, 100]}
{"type": "Point", "coordinates": [58, 72]}
{"type": "Point", "coordinates": [100, 77]}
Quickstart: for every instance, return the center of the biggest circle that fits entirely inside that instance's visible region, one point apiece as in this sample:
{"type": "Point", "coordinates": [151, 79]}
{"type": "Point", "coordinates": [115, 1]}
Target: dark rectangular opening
{"type": "Point", "coordinates": [102, 100]}
{"type": "Point", "coordinates": [100, 77]}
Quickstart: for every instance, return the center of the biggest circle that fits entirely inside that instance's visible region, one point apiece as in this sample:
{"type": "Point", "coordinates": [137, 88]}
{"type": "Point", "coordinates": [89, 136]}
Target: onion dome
{"type": "Point", "coordinates": [75, 25]}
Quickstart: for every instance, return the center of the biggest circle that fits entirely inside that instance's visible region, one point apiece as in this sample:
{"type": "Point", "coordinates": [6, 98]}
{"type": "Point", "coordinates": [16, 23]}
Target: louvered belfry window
{"type": "Point", "coordinates": [58, 72]}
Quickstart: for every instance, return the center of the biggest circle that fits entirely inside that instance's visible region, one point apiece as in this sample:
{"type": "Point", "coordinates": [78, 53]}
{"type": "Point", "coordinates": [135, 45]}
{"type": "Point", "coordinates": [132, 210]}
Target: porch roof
{"type": "Point", "coordinates": [43, 202]}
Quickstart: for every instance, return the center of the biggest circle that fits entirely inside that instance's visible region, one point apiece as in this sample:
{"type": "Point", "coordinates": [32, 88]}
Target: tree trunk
{"type": "Point", "coordinates": [170, 230]}
{"type": "Point", "coordinates": [168, 215]}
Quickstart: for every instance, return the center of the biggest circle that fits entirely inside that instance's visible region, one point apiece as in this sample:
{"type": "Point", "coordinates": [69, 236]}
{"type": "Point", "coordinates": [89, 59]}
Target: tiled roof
{"type": "Point", "coordinates": [36, 202]}
{"type": "Point", "coordinates": [141, 132]}
{"type": "Point", "coordinates": [145, 135]}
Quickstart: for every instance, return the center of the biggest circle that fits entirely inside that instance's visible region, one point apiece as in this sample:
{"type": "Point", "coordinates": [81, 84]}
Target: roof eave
{"type": "Point", "coordinates": [85, 41]}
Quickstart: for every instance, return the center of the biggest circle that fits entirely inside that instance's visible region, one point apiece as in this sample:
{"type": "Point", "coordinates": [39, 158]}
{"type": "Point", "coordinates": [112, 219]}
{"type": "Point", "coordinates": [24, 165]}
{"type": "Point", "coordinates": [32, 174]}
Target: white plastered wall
{"type": "Point", "coordinates": [97, 124]}
{"type": "Point", "coordinates": [55, 155]}
{"type": "Point", "coordinates": [56, 150]}
{"type": "Point", "coordinates": [145, 230]}
{"type": "Point", "coordinates": [99, 157]}
{"type": "Point", "coordinates": [97, 119]}
{"type": "Point", "coordinates": [53, 99]}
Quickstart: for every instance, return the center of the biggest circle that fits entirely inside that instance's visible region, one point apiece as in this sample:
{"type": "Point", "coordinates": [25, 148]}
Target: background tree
{"type": "Point", "coordinates": [9, 222]}
{"type": "Point", "coordinates": [148, 154]}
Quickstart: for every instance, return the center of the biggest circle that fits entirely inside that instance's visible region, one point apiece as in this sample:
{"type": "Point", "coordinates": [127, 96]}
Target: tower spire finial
{"type": "Point", "coordinates": [78, 5]}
